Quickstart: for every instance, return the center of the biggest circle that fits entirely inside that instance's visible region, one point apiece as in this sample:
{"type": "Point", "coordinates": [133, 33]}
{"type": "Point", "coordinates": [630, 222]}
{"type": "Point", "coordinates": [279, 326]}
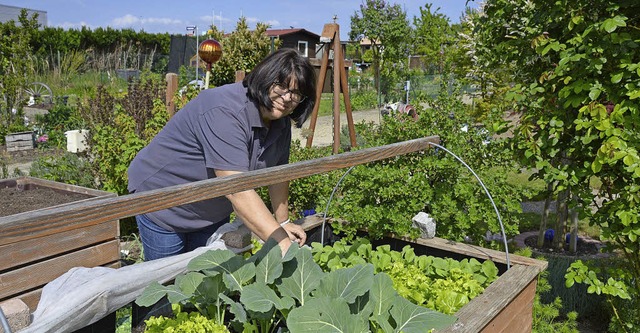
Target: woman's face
{"type": "Point", "coordinates": [284, 99]}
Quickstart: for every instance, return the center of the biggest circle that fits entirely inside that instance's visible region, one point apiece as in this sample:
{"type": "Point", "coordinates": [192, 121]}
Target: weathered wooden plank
{"type": "Point", "coordinates": [479, 252]}
{"type": "Point", "coordinates": [16, 281]}
{"type": "Point", "coordinates": [517, 316]}
{"type": "Point", "coordinates": [453, 247]}
{"type": "Point", "coordinates": [20, 141]}
{"type": "Point", "coordinates": [93, 211]}
{"type": "Point", "coordinates": [31, 298]}
{"type": "Point", "coordinates": [30, 250]}
{"type": "Point", "coordinates": [28, 183]}
{"type": "Point", "coordinates": [477, 314]}
{"type": "Point", "coordinates": [19, 136]}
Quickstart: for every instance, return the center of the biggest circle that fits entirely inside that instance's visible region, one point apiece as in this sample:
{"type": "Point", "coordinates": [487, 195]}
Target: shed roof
{"type": "Point", "coordinates": [284, 32]}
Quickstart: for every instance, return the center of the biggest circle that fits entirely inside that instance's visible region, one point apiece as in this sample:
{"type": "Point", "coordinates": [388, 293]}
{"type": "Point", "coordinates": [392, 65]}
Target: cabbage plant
{"type": "Point", "coordinates": [268, 291]}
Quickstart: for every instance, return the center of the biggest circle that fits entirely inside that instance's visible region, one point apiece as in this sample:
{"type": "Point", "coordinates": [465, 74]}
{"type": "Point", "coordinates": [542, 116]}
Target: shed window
{"type": "Point", "coordinates": [303, 48]}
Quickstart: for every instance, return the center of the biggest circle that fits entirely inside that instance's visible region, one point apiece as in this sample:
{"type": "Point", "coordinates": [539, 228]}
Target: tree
{"type": "Point", "coordinates": [15, 69]}
{"type": "Point", "coordinates": [386, 26]}
{"type": "Point", "coordinates": [433, 36]}
{"type": "Point", "coordinates": [576, 77]}
{"type": "Point", "coordinates": [242, 50]}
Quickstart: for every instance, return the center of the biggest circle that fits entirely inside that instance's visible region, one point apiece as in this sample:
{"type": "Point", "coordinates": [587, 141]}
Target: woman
{"type": "Point", "coordinates": [224, 131]}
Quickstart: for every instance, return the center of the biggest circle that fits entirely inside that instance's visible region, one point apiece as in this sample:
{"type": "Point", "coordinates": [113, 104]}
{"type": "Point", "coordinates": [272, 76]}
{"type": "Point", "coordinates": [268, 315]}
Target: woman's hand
{"type": "Point", "coordinates": [296, 233]}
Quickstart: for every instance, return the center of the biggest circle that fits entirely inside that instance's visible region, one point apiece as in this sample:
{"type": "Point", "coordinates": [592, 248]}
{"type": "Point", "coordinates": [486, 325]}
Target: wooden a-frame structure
{"type": "Point", "coordinates": [331, 39]}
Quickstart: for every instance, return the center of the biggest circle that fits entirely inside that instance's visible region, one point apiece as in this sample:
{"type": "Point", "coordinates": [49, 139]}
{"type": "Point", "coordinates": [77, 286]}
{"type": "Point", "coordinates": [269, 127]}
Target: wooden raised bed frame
{"type": "Point", "coordinates": [505, 306]}
{"type": "Point", "coordinates": [47, 250]}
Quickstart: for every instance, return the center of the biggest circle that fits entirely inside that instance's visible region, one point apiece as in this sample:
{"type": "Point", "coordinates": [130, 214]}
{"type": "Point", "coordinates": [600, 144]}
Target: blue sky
{"type": "Point", "coordinates": [175, 16]}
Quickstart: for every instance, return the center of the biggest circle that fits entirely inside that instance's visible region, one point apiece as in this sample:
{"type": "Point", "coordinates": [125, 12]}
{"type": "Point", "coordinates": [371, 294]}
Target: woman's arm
{"type": "Point", "coordinates": [251, 209]}
{"type": "Point", "coordinates": [279, 194]}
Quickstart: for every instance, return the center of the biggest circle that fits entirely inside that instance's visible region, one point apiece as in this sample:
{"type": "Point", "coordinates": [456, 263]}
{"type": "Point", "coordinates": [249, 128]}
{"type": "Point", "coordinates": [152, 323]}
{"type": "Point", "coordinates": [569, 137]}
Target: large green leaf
{"type": "Point", "coordinates": [381, 292]}
{"type": "Point", "coordinates": [236, 271]}
{"type": "Point", "coordinates": [326, 315]}
{"type": "Point", "coordinates": [301, 277]}
{"type": "Point", "coordinates": [210, 260]}
{"type": "Point", "coordinates": [210, 288]}
{"type": "Point", "coordinates": [269, 260]}
{"type": "Point", "coordinates": [347, 283]}
{"type": "Point", "coordinates": [244, 272]}
{"type": "Point", "coordinates": [235, 308]}
{"type": "Point", "coordinates": [189, 282]}
{"type": "Point", "coordinates": [259, 297]}
{"type": "Point", "coordinates": [155, 291]}
{"type": "Point", "coordinates": [413, 318]}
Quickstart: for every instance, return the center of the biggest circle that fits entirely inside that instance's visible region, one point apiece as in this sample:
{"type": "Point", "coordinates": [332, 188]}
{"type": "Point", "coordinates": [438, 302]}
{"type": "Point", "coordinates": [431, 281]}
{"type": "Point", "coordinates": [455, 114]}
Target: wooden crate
{"type": "Point", "coordinates": [47, 252]}
{"type": "Point", "coordinates": [20, 141]}
{"type": "Point", "coordinates": [506, 305]}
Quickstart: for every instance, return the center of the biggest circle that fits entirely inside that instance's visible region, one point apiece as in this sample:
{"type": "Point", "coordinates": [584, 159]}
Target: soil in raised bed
{"type": "Point", "coordinates": [14, 200]}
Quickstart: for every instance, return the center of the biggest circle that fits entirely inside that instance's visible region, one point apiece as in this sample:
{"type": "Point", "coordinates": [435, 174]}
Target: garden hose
{"type": "Point", "coordinates": [5, 323]}
{"type": "Point", "coordinates": [504, 235]}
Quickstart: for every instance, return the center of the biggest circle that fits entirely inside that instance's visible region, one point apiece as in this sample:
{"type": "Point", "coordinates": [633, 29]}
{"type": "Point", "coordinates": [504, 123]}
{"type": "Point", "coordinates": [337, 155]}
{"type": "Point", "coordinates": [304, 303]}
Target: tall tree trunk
{"type": "Point", "coordinates": [573, 241]}
{"type": "Point", "coordinates": [561, 222]}
{"type": "Point", "coordinates": [545, 215]}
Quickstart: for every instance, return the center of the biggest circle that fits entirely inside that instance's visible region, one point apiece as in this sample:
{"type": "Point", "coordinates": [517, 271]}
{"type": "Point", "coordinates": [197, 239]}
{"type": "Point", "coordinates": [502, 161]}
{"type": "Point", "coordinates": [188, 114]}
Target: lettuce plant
{"type": "Point", "coordinates": [441, 284]}
{"type": "Point", "coordinates": [267, 291]}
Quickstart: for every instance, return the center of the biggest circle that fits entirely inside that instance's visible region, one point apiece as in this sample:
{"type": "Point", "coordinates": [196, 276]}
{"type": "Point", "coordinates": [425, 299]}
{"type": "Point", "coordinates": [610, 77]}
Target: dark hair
{"type": "Point", "coordinates": [281, 66]}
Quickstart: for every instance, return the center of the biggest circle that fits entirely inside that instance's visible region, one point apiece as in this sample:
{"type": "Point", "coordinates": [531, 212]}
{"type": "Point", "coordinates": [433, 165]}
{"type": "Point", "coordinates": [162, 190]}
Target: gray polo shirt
{"type": "Point", "coordinates": [220, 129]}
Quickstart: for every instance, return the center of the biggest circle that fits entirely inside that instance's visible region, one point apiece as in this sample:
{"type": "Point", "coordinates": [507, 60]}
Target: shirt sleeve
{"type": "Point", "coordinates": [225, 138]}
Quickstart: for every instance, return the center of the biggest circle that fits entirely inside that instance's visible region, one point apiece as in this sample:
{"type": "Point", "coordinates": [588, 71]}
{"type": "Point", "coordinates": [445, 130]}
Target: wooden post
{"type": "Point", "coordinates": [172, 87]}
{"type": "Point", "coordinates": [319, 86]}
{"type": "Point", "coordinates": [331, 33]}
{"type": "Point", "coordinates": [336, 90]}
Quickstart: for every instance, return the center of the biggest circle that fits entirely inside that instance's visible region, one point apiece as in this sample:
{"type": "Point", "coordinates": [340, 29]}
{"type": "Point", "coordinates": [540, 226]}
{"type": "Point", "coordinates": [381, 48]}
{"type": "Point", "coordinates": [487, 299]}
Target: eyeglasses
{"type": "Point", "coordinates": [281, 90]}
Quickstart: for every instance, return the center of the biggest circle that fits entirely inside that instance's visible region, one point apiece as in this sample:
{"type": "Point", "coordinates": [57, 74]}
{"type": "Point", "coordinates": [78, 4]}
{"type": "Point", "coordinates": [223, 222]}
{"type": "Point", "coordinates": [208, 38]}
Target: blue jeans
{"type": "Point", "coordinates": [158, 242]}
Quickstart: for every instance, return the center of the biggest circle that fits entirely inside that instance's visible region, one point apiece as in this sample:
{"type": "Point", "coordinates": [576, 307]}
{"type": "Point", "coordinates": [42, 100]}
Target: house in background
{"type": "Point", "coordinates": [302, 40]}
{"type": "Point", "coordinates": [8, 13]}
{"type": "Point", "coordinates": [183, 48]}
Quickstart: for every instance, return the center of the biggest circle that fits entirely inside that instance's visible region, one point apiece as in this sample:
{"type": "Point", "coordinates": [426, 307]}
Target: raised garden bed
{"type": "Point", "coordinates": [40, 251]}
{"type": "Point", "coordinates": [20, 141]}
{"type": "Point", "coordinates": [505, 306]}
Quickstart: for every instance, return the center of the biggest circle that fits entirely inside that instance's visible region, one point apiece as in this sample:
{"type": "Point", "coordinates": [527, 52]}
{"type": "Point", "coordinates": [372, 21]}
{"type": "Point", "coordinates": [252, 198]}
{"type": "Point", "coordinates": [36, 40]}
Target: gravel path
{"type": "Point", "coordinates": [324, 127]}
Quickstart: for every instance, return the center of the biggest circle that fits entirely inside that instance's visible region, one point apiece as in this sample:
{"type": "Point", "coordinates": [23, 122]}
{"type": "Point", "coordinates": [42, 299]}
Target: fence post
{"type": "Point", "coordinates": [172, 87]}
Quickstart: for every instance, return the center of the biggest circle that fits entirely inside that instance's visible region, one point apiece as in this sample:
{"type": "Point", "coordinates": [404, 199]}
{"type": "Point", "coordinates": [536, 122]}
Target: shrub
{"type": "Point", "coordinates": [66, 168]}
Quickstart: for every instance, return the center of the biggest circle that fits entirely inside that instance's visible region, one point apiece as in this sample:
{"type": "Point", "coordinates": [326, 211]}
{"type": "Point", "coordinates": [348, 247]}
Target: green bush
{"type": "Point", "coordinates": [66, 168]}
{"type": "Point", "coordinates": [120, 127]}
{"type": "Point", "coordinates": [364, 100]}
{"type": "Point", "coordinates": [59, 119]}
{"type": "Point", "coordinates": [383, 196]}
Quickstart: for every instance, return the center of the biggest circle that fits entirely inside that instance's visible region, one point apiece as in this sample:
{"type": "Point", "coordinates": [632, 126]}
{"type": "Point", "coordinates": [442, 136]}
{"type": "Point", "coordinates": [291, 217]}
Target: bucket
{"type": "Point", "coordinates": [76, 140]}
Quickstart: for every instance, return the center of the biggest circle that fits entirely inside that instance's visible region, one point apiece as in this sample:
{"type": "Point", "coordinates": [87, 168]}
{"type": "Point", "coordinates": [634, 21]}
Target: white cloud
{"type": "Point", "coordinates": [125, 21]}
{"type": "Point", "coordinates": [273, 23]}
{"type": "Point", "coordinates": [158, 20]}
{"type": "Point", "coordinates": [129, 20]}
{"type": "Point", "coordinates": [72, 25]}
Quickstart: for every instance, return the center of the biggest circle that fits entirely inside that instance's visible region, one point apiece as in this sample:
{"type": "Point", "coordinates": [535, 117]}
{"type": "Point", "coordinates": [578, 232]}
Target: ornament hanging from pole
{"type": "Point", "coordinates": [210, 51]}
